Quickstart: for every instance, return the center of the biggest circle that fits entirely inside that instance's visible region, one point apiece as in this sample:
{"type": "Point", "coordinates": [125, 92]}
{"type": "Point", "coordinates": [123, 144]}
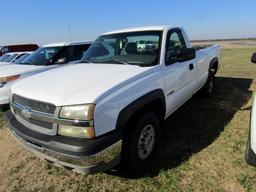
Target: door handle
{"type": "Point", "coordinates": [191, 66]}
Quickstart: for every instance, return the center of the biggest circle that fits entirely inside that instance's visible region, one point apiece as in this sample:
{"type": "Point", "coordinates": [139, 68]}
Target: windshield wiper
{"type": "Point", "coordinates": [27, 63]}
{"type": "Point", "coordinates": [85, 61]}
{"type": "Point", "coordinates": [119, 61]}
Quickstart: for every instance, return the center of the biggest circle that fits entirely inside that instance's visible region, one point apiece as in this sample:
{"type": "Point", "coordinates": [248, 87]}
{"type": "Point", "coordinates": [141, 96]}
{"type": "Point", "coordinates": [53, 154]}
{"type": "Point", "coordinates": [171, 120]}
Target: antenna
{"type": "Point", "coordinates": [69, 31]}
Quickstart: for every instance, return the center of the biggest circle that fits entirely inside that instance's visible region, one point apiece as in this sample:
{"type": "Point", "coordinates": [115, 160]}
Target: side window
{"type": "Point", "coordinates": [5, 50]}
{"type": "Point", "coordinates": [175, 43]}
{"type": "Point", "coordinates": [71, 53]}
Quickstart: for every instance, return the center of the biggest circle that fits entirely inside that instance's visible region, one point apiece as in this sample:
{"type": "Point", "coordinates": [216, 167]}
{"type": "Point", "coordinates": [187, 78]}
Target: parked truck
{"type": "Point", "coordinates": [45, 58]}
{"type": "Point", "coordinates": [13, 57]}
{"type": "Point", "coordinates": [18, 48]}
{"type": "Point", "coordinates": [250, 152]}
{"type": "Point", "coordinates": [108, 109]}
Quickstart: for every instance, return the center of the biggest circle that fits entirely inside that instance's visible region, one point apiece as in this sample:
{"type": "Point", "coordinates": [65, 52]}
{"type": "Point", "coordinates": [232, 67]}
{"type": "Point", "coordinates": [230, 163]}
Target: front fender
{"type": "Point", "coordinates": [140, 103]}
{"type": "Point", "coordinates": [109, 111]}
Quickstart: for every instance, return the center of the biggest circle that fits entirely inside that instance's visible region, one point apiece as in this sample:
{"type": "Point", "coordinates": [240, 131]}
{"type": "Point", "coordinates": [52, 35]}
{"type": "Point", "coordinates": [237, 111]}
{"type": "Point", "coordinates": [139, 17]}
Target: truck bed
{"type": "Point", "coordinates": [199, 47]}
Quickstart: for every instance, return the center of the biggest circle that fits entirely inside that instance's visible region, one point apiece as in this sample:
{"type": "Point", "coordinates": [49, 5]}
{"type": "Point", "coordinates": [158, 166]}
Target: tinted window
{"type": "Point", "coordinates": [56, 55]}
{"type": "Point", "coordinates": [42, 56]}
{"type": "Point", "coordinates": [5, 50]}
{"type": "Point", "coordinates": [9, 59]}
{"type": "Point", "coordinates": [4, 57]}
{"type": "Point", "coordinates": [70, 53]}
{"type": "Point", "coordinates": [136, 48]}
{"type": "Point", "coordinates": [18, 56]}
{"type": "Point", "coordinates": [21, 58]}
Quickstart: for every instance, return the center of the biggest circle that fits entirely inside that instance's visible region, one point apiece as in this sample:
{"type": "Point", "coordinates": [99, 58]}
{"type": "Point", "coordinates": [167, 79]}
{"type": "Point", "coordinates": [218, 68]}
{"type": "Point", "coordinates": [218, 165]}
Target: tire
{"type": "Point", "coordinates": [139, 144]}
{"type": "Point", "coordinates": [4, 108]}
{"type": "Point", "coordinates": [209, 86]}
{"type": "Point", "coordinates": [250, 156]}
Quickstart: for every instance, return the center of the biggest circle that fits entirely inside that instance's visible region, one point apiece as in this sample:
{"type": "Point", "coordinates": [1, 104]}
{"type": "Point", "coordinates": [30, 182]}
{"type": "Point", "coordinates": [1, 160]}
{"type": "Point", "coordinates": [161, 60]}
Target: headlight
{"type": "Point", "coordinates": [9, 78]}
{"type": "Point", "coordinates": [74, 131]}
{"type": "Point", "coordinates": [79, 113]}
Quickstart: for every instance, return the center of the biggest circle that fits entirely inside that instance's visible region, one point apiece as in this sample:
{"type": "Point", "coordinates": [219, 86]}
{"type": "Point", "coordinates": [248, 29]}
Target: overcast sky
{"type": "Point", "coordinates": [46, 21]}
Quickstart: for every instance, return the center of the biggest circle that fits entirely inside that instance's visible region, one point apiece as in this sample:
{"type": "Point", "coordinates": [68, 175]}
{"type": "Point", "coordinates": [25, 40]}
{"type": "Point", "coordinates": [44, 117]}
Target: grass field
{"type": "Point", "coordinates": [202, 148]}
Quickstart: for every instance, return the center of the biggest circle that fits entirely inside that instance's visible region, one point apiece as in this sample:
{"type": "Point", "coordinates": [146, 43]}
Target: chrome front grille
{"type": "Point", "coordinates": [39, 123]}
{"type": "Point", "coordinates": [34, 105]}
{"type": "Point", "coordinates": [34, 116]}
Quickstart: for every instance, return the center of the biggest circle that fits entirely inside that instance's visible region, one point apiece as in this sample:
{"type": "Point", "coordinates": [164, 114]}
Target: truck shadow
{"type": "Point", "coordinates": [196, 125]}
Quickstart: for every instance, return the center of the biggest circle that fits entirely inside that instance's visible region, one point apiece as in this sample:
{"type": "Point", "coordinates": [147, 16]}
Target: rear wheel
{"type": "Point", "coordinates": [140, 141]}
{"type": "Point", "coordinates": [209, 86]}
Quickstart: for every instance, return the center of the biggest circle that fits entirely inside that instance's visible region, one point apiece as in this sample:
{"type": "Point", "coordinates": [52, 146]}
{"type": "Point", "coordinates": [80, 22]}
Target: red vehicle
{"type": "Point", "coordinates": [18, 48]}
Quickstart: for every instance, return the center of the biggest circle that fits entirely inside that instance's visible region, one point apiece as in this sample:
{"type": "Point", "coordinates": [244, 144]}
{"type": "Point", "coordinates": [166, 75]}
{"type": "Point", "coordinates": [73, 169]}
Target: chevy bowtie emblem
{"type": "Point", "coordinates": [26, 113]}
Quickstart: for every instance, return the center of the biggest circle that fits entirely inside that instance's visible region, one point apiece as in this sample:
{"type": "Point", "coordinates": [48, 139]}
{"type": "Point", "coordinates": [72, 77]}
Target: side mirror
{"type": "Point", "coordinates": [181, 55]}
{"type": "Point", "coordinates": [187, 54]}
{"type": "Point", "coordinates": [253, 60]}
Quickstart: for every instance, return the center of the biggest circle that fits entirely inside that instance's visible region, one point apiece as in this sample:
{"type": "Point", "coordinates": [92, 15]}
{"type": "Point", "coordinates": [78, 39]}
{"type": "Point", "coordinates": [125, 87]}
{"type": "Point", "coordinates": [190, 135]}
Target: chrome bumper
{"type": "Point", "coordinates": [100, 161]}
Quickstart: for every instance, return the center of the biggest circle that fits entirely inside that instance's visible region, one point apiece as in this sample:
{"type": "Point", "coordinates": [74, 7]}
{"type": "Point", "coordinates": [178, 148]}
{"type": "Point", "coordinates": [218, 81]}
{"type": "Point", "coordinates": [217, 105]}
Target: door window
{"type": "Point", "coordinates": [175, 43]}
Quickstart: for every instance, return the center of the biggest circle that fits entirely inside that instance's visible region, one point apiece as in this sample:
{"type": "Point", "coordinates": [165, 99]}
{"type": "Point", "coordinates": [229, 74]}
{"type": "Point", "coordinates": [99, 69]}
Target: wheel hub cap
{"type": "Point", "coordinates": [146, 141]}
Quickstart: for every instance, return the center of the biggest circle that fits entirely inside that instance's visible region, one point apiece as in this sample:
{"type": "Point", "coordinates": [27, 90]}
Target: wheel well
{"type": "Point", "coordinates": [156, 106]}
{"type": "Point", "coordinates": [153, 101]}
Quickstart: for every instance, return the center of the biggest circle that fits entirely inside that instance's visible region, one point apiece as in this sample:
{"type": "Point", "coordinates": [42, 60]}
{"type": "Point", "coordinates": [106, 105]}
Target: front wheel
{"type": "Point", "coordinates": [140, 143]}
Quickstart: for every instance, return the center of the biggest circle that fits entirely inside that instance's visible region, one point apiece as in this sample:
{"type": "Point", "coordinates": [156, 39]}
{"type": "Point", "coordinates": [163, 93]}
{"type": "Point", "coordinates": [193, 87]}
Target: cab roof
{"type": "Point", "coordinates": [21, 52]}
{"type": "Point", "coordinates": [63, 44]}
{"type": "Point", "coordinates": [147, 28]}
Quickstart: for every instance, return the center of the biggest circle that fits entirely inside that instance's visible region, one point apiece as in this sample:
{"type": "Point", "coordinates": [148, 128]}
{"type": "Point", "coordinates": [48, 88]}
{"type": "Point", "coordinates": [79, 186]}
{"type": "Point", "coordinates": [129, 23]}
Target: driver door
{"type": "Point", "coordinates": [179, 71]}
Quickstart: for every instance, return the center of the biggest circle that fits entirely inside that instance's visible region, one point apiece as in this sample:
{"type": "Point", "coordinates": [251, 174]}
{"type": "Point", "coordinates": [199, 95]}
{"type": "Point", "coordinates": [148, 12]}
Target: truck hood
{"type": "Point", "coordinates": [4, 63]}
{"type": "Point", "coordinates": [13, 69]}
{"type": "Point", "coordinates": [78, 83]}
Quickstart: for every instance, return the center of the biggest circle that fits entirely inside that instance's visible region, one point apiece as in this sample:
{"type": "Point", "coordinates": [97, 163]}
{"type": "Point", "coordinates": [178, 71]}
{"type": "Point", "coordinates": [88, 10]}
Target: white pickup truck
{"type": "Point", "coordinates": [45, 58]}
{"type": "Point", "coordinates": [250, 153]}
{"type": "Point", "coordinates": [88, 117]}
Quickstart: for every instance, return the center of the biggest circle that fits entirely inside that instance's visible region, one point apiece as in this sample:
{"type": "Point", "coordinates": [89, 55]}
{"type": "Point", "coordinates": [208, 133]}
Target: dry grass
{"type": "Point", "coordinates": [238, 44]}
{"type": "Point", "coordinates": [202, 148]}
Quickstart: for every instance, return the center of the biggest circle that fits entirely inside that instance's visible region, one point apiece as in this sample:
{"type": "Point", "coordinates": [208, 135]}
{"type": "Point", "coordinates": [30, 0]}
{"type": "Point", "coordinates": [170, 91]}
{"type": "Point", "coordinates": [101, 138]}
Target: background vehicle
{"type": "Point", "coordinates": [17, 48]}
{"type": "Point", "coordinates": [4, 57]}
{"type": "Point", "coordinates": [111, 106]}
{"type": "Point", "coordinates": [21, 57]}
{"type": "Point", "coordinates": [13, 57]}
{"type": "Point", "coordinates": [45, 58]}
{"type": "Point", "coordinates": [250, 153]}
{"type": "Point", "coordinates": [16, 58]}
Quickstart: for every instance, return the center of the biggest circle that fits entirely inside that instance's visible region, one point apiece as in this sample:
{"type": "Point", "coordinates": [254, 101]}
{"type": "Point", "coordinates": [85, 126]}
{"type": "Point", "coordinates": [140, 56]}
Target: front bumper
{"type": "Point", "coordinates": [80, 155]}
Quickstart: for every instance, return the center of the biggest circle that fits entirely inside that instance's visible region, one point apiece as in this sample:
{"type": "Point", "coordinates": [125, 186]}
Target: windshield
{"type": "Point", "coordinates": [56, 55]}
{"type": "Point", "coordinates": [9, 59]}
{"type": "Point", "coordinates": [4, 57]}
{"type": "Point", "coordinates": [42, 56]}
{"type": "Point", "coordinates": [20, 59]}
{"type": "Point", "coordinates": [135, 48]}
